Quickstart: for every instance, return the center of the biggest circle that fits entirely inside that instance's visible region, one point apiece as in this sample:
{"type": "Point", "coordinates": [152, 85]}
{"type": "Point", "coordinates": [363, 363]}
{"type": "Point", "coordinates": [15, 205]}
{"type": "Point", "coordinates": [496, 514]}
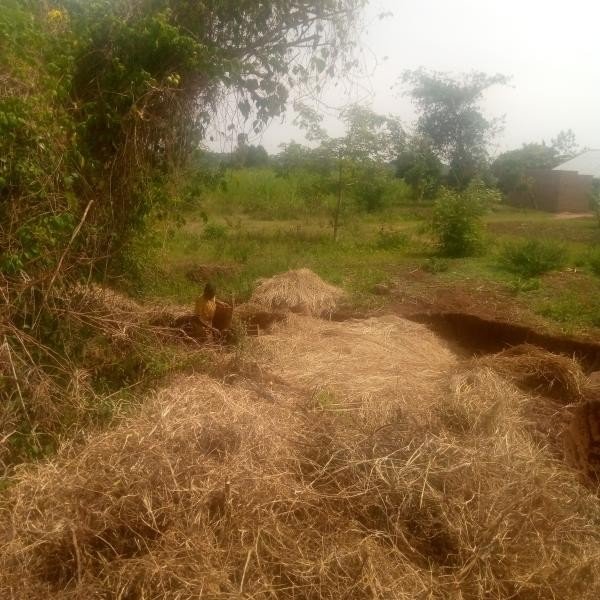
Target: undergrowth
{"type": "Point", "coordinates": [532, 258]}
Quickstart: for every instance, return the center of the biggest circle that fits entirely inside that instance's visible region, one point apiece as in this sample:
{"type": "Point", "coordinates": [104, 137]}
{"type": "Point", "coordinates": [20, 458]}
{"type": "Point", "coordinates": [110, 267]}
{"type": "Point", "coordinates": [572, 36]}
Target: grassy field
{"type": "Point", "coordinates": [372, 248]}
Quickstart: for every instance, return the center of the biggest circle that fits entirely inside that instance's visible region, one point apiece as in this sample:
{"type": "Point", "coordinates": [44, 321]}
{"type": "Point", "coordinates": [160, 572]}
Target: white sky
{"type": "Point", "coordinates": [551, 49]}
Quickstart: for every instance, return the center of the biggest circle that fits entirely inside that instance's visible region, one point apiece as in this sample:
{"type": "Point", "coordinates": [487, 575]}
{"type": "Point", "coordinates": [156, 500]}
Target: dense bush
{"type": "Point", "coordinates": [457, 218]}
{"type": "Point", "coordinates": [531, 258]}
{"type": "Point", "coordinates": [100, 102]}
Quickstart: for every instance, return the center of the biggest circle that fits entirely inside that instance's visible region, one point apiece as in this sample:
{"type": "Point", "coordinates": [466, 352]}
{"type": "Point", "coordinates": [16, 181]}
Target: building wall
{"type": "Point", "coordinates": [554, 191]}
{"type": "Point", "coordinates": [574, 192]}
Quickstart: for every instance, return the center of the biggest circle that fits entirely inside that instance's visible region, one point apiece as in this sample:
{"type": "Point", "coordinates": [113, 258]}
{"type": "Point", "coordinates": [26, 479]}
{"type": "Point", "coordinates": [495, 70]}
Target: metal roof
{"type": "Point", "coordinates": [587, 163]}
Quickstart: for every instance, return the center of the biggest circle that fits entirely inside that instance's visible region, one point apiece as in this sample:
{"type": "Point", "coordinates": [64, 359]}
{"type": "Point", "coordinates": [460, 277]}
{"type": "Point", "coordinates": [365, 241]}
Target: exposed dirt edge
{"type": "Point", "coordinates": [478, 335]}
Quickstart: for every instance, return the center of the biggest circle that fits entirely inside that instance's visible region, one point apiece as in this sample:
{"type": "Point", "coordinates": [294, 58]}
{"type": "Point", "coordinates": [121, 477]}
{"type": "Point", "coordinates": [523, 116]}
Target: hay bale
{"type": "Point", "coordinates": [300, 291]}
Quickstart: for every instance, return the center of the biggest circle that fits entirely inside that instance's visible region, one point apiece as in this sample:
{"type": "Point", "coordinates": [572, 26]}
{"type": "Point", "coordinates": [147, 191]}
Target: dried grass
{"type": "Point", "coordinates": [539, 370]}
{"type": "Point", "coordinates": [300, 291]}
{"type": "Point", "coordinates": [383, 357]}
{"type": "Point", "coordinates": [107, 346]}
{"type": "Point", "coordinates": [398, 489]}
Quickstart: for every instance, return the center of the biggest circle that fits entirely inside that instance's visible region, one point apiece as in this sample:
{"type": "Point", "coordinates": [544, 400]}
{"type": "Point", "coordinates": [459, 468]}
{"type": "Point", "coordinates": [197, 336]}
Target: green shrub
{"type": "Point", "coordinates": [214, 231]}
{"type": "Point", "coordinates": [532, 258]}
{"type": "Point", "coordinates": [523, 285]}
{"type": "Point", "coordinates": [436, 265]}
{"type": "Point", "coordinates": [457, 219]}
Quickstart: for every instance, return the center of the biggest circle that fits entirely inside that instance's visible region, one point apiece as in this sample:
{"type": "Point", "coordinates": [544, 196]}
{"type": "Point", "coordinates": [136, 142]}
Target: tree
{"type": "Point", "coordinates": [420, 167]}
{"type": "Point", "coordinates": [148, 74]}
{"type": "Point", "coordinates": [361, 156]}
{"type": "Point", "coordinates": [110, 95]}
{"type": "Point", "coordinates": [451, 118]}
{"type": "Point", "coordinates": [247, 155]}
{"type": "Point", "coordinates": [296, 157]}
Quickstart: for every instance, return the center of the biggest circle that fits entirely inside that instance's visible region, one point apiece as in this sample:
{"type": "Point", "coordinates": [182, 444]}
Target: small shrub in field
{"type": "Point", "coordinates": [594, 261]}
{"type": "Point", "coordinates": [213, 231]}
{"type": "Point", "coordinates": [457, 219]}
{"type": "Point", "coordinates": [532, 258]}
{"type": "Point", "coordinates": [523, 285]}
{"type": "Point", "coordinates": [391, 240]}
{"type": "Point", "coordinates": [436, 265]}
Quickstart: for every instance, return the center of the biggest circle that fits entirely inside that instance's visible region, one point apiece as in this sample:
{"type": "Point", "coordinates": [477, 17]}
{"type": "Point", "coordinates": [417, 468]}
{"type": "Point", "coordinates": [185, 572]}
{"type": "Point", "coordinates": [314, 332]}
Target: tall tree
{"type": "Point", "coordinates": [361, 157]}
{"type": "Point", "coordinates": [149, 73]}
{"type": "Point", "coordinates": [452, 120]}
{"type": "Point", "coordinates": [128, 88]}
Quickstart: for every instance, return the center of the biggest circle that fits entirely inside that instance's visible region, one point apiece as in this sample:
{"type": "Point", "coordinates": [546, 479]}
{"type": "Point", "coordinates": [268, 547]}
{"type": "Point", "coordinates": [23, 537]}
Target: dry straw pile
{"type": "Point", "coordinates": [347, 478]}
{"type": "Point", "coordinates": [539, 370]}
{"type": "Point", "coordinates": [300, 291]}
{"type": "Point", "coordinates": [379, 358]}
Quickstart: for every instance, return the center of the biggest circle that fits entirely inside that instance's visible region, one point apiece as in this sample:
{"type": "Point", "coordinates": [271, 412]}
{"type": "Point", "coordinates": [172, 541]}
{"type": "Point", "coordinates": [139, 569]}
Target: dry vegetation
{"type": "Point", "coordinates": [110, 345]}
{"type": "Point", "coordinates": [538, 370]}
{"type": "Point", "coordinates": [300, 291]}
{"type": "Point", "coordinates": [361, 460]}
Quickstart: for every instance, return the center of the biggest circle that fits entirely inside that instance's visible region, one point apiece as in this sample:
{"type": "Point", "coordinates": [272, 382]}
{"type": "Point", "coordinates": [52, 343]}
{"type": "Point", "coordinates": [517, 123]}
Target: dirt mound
{"type": "Point", "coordinates": [300, 291]}
{"type": "Point", "coordinates": [383, 487]}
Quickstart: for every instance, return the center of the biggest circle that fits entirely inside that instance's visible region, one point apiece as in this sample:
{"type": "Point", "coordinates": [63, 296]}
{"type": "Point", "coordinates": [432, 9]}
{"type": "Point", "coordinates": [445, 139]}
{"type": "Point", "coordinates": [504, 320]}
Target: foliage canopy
{"type": "Point", "coordinates": [451, 119]}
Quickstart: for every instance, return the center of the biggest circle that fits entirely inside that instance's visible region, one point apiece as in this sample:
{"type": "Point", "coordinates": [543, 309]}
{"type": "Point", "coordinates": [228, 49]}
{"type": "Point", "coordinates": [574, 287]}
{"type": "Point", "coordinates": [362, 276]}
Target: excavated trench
{"type": "Point", "coordinates": [474, 335]}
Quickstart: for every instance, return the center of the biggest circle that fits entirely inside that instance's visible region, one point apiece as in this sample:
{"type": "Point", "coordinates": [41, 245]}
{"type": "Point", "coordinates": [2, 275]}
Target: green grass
{"type": "Point", "coordinates": [593, 260]}
{"type": "Point", "coordinates": [532, 258]}
{"type": "Point", "coordinates": [374, 248]}
{"type": "Point", "coordinates": [364, 255]}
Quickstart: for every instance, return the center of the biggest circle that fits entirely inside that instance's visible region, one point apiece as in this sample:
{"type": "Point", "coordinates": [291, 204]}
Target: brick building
{"type": "Point", "coordinates": [566, 188]}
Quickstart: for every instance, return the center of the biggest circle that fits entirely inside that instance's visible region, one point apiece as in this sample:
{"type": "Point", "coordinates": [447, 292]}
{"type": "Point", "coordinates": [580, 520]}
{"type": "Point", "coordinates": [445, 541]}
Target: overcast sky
{"type": "Point", "coordinates": [551, 50]}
